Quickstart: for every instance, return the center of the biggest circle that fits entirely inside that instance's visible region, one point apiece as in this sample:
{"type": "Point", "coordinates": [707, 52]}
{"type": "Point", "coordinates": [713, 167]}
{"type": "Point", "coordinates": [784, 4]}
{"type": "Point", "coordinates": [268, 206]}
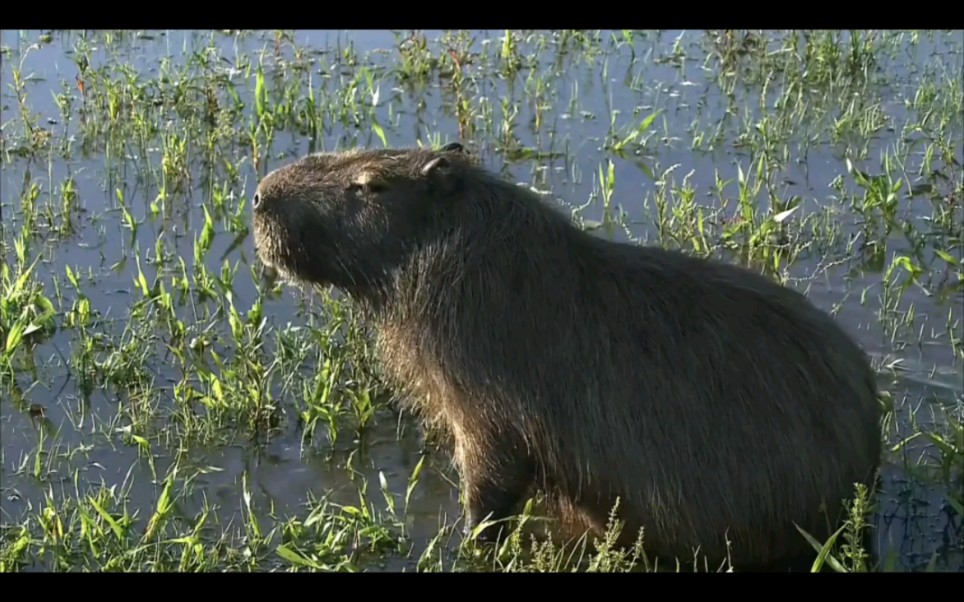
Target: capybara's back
{"type": "Point", "coordinates": [717, 406]}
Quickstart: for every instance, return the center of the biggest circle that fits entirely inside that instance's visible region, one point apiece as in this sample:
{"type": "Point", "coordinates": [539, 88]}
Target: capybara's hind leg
{"type": "Point", "coordinates": [494, 487]}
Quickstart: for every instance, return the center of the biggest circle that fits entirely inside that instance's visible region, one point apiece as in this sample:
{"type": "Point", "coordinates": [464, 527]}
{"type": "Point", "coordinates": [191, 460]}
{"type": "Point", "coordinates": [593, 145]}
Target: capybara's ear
{"type": "Point", "coordinates": [436, 164]}
{"type": "Point", "coordinates": [453, 147]}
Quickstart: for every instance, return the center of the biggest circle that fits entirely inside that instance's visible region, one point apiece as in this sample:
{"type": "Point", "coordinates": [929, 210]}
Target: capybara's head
{"type": "Point", "coordinates": [350, 219]}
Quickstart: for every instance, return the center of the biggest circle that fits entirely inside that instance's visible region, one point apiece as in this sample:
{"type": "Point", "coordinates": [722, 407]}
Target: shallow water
{"type": "Point", "coordinates": [575, 93]}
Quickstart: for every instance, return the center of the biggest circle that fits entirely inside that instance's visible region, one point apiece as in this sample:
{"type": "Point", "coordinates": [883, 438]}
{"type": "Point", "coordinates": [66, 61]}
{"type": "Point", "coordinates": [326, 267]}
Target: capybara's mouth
{"type": "Point", "coordinates": [273, 242]}
{"type": "Point", "coordinates": [290, 248]}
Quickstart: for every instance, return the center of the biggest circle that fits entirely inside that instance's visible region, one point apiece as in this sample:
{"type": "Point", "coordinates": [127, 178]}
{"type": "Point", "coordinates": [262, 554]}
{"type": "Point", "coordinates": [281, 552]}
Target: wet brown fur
{"type": "Point", "coordinates": [716, 404]}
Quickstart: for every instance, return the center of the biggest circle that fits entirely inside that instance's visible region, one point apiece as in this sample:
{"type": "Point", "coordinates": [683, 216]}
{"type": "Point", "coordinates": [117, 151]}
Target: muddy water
{"type": "Point", "coordinates": [574, 107]}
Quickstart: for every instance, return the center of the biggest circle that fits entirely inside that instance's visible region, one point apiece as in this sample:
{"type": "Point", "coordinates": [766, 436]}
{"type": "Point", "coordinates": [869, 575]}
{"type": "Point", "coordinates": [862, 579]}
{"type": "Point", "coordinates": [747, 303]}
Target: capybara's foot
{"type": "Point", "coordinates": [494, 505]}
{"type": "Point", "coordinates": [492, 534]}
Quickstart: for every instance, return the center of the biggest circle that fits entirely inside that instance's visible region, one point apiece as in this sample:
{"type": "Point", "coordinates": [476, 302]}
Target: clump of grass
{"type": "Point", "coordinates": [95, 529]}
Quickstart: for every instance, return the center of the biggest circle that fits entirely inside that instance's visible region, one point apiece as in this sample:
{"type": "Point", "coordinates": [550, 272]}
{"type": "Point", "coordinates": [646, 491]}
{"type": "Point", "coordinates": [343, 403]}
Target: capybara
{"type": "Point", "coordinates": [719, 407]}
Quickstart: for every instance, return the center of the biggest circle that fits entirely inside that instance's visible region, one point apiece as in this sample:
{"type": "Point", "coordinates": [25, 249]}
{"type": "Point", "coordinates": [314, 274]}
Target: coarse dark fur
{"type": "Point", "coordinates": [715, 404]}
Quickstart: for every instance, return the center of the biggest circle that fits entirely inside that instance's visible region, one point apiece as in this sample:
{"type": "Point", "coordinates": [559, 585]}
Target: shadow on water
{"type": "Point", "coordinates": [547, 113]}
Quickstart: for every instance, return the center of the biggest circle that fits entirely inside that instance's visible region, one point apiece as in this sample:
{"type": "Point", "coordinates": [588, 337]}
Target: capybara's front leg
{"type": "Point", "coordinates": [494, 483]}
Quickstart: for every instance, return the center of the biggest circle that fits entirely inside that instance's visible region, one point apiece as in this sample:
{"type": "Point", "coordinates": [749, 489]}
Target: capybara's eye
{"type": "Point", "coordinates": [367, 187]}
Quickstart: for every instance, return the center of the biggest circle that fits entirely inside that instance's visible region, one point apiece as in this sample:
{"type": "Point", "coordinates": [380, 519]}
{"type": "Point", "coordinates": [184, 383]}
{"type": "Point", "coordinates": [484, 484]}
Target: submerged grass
{"type": "Point", "coordinates": [166, 407]}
